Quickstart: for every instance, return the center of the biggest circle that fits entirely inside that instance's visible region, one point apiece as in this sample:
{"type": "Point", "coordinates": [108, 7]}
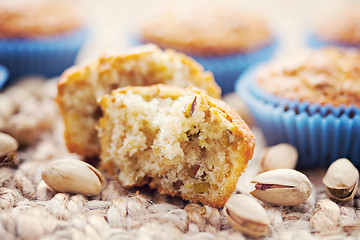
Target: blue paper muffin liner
{"type": "Point", "coordinates": [4, 74]}
{"type": "Point", "coordinates": [315, 42]}
{"type": "Point", "coordinates": [320, 139]}
{"type": "Point", "coordinates": [227, 68]}
{"type": "Point", "coordinates": [47, 56]}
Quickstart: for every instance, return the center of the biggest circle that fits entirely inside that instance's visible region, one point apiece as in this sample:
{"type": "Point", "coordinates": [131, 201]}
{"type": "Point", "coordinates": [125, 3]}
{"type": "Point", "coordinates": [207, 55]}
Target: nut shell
{"type": "Point", "coordinates": [247, 215]}
{"type": "Point", "coordinates": [341, 180]}
{"type": "Point", "coordinates": [8, 144]}
{"type": "Point", "coordinates": [282, 187]}
{"type": "Point", "coordinates": [73, 176]}
{"type": "Point", "coordinates": [341, 174]}
{"type": "Point", "coordinates": [282, 155]}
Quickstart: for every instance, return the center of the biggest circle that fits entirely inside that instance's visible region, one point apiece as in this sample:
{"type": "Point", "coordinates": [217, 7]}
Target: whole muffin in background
{"type": "Point", "coordinates": [39, 37]}
{"type": "Point", "coordinates": [312, 101]}
{"type": "Point", "coordinates": [341, 28]}
{"type": "Point", "coordinates": [327, 77]}
{"type": "Point", "coordinates": [222, 37]}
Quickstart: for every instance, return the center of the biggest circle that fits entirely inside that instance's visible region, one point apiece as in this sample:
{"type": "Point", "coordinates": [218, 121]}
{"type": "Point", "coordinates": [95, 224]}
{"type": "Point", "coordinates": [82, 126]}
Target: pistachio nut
{"type": "Point", "coordinates": [73, 176]}
{"type": "Point", "coordinates": [247, 215]}
{"type": "Point", "coordinates": [8, 147]}
{"type": "Point", "coordinates": [341, 180]}
{"type": "Point", "coordinates": [282, 187]}
{"type": "Point", "coordinates": [282, 155]}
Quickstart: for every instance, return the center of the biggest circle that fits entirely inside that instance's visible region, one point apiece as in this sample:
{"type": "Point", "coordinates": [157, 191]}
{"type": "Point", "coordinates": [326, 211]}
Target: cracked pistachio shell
{"type": "Point", "coordinates": [245, 214]}
{"type": "Point", "coordinates": [282, 155]}
{"type": "Point", "coordinates": [73, 176]}
{"type": "Point", "coordinates": [341, 180]}
{"type": "Point", "coordinates": [8, 144]}
{"type": "Point", "coordinates": [282, 187]}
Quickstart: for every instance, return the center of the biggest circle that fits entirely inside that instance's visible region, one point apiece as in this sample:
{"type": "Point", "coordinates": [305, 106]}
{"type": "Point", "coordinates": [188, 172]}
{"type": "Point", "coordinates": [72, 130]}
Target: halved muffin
{"type": "Point", "coordinates": [180, 141]}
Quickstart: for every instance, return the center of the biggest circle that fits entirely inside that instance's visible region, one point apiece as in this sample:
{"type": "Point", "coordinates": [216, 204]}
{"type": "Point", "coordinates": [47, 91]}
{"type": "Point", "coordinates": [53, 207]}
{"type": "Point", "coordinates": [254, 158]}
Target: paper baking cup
{"type": "Point", "coordinates": [47, 56]}
{"type": "Point", "coordinates": [319, 139]}
{"type": "Point", "coordinates": [315, 42]}
{"type": "Point", "coordinates": [4, 74]}
{"type": "Point", "coordinates": [226, 69]}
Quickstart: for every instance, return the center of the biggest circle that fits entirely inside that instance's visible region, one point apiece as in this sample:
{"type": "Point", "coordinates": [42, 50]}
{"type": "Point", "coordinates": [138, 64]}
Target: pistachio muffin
{"type": "Point", "coordinates": [344, 31]}
{"type": "Point", "coordinates": [223, 37]}
{"type": "Point", "coordinates": [80, 86]}
{"type": "Point", "coordinates": [327, 76]}
{"type": "Point", "coordinates": [36, 18]}
{"type": "Point", "coordinates": [311, 101]}
{"type": "Point", "coordinates": [39, 37]}
{"type": "Point", "coordinates": [179, 141]}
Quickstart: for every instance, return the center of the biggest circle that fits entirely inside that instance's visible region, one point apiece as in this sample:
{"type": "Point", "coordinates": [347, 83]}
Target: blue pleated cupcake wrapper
{"type": "Point", "coordinates": [46, 56]}
{"type": "Point", "coordinates": [299, 106]}
{"type": "Point", "coordinates": [315, 42]}
{"type": "Point", "coordinates": [4, 74]}
{"type": "Point", "coordinates": [226, 69]}
{"type": "Point", "coordinates": [319, 139]}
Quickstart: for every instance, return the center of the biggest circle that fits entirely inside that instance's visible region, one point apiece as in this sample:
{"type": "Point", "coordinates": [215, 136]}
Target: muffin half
{"type": "Point", "coordinates": [180, 141]}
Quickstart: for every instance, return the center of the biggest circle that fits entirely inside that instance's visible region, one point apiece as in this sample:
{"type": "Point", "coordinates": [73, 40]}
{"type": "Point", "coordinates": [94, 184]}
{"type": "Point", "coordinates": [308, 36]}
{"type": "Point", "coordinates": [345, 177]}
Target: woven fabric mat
{"type": "Point", "coordinates": [30, 210]}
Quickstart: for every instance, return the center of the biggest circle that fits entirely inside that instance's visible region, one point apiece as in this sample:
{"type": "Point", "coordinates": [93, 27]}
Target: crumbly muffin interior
{"type": "Point", "coordinates": [177, 145]}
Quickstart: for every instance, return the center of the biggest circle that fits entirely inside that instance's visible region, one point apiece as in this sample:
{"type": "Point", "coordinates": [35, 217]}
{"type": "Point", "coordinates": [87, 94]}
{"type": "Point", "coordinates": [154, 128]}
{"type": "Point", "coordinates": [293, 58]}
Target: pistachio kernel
{"type": "Point", "coordinates": [201, 187]}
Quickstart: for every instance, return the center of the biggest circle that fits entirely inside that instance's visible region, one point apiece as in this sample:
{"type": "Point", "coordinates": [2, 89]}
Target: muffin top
{"type": "Point", "coordinates": [36, 18]}
{"type": "Point", "coordinates": [342, 27]}
{"type": "Point", "coordinates": [206, 28]}
{"type": "Point", "coordinates": [326, 76]}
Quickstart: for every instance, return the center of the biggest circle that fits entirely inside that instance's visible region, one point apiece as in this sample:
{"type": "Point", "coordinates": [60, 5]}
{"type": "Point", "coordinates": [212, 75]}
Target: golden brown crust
{"type": "Point", "coordinates": [326, 76]}
{"type": "Point", "coordinates": [344, 27]}
{"type": "Point", "coordinates": [70, 82]}
{"type": "Point", "coordinates": [220, 110]}
{"type": "Point", "coordinates": [80, 86]}
{"type": "Point", "coordinates": [206, 28]}
{"type": "Point", "coordinates": [19, 18]}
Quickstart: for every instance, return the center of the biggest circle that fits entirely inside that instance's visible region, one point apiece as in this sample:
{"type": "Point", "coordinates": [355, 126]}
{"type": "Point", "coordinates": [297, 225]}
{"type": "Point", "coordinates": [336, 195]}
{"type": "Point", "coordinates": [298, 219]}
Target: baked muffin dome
{"type": "Point", "coordinates": [206, 28]}
{"type": "Point", "coordinates": [326, 76]}
{"type": "Point", "coordinates": [36, 18]}
{"type": "Point", "coordinates": [343, 27]}
{"type": "Point", "coordinates": [39, 37]}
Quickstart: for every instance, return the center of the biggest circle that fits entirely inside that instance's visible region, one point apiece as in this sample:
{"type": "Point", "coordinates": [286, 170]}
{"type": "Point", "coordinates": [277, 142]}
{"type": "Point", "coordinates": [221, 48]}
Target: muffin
{"type": "Point", "coordinates": [344, 31]}
{"type": "Point", "coordinates": [220, 36]}
{"type": "Point", "coordinates": [80, 86]}
{"type": "Point", "coordinates": [39, 37]}
{"type": "Point", "coordinates": [179, 141]}
{"type": "Point", "coordinates": [311, 101]}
